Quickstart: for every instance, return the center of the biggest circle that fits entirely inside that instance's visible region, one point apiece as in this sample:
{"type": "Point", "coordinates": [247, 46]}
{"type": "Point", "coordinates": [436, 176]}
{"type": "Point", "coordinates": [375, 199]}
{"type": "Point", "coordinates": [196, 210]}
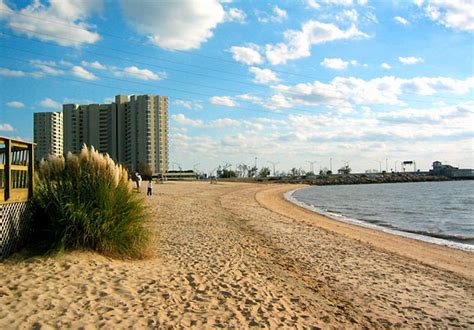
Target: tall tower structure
{"type": "Point", "coordinates": [146, 132]}
{"type": "Point", "coordinates": [48, 134]}
{"type": "Point", "coordinates": [131, 130]}
{"type": "Point", "coordinates": [90, 124]}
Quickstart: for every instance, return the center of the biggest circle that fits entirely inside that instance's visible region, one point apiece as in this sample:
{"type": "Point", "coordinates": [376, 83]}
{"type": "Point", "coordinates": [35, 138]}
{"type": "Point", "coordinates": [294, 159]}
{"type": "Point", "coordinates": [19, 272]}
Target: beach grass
{"type": "Point", "coordinates": [85, 202]}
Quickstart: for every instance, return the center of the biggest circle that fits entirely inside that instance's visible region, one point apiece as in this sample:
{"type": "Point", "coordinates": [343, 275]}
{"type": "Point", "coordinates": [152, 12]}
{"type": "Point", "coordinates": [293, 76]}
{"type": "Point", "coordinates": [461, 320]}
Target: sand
{"type": "Point", "coordinates": [239, 255]}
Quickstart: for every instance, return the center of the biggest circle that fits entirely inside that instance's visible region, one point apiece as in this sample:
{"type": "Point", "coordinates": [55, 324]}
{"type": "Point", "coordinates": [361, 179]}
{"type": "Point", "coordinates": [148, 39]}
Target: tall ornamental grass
{"type": "Point", "coordinates": [85, 202]}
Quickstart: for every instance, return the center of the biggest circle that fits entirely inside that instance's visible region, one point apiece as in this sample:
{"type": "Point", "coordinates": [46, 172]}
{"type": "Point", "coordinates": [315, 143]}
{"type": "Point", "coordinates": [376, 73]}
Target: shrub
{"type": "Point", "coordinates": [86, 202]}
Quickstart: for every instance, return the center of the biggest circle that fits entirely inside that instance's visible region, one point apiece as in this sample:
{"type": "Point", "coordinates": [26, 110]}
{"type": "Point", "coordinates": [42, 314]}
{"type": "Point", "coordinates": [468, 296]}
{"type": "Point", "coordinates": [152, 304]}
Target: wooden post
{"type": "Point", "coordinates": [8, 169]}
{"type": "Point", "coordinates": [31, 170]}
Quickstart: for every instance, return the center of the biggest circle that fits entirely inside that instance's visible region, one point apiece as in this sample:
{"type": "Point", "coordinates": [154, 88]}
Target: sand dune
{"type": "Point", "coordinates": [238, 255]}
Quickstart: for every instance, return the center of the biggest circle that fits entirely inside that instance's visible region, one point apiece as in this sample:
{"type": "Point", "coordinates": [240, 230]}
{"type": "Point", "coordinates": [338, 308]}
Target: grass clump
{"type": "Point", "coordinates": [86, 202]}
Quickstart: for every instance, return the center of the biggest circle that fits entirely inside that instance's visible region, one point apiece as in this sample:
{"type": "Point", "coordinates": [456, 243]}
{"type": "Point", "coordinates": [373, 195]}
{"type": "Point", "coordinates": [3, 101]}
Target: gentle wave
{"type": "Point", "coordinates": [434, 238]}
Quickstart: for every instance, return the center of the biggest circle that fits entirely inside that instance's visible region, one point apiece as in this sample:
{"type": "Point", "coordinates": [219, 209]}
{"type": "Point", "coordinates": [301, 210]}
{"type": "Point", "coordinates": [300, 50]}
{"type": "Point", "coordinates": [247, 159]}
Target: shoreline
{"type": "Point", "coordinates": [353, 221]}
{"type": "Point", "coordinates": [458, 261]}
{"type": "Point", "coordinates": [236, 255]}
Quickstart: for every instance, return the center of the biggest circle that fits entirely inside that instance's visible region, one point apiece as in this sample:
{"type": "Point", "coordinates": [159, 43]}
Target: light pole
{"type": "Point", "coordinates": [311, 163]}
{"type": "Point", "coordinates": [179, 167]}
{"type": "Point", "coordinates": [380, 164]}
{"type": "Point", "coordinates": [195, 169]}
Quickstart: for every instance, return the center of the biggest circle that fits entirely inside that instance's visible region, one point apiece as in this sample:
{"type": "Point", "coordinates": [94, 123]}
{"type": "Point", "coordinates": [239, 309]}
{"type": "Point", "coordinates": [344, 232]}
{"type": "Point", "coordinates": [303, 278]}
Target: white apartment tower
{"type": "Point", "coordinates": [48, 134]}
{"type": "Point", "coordinates": [132, 130]}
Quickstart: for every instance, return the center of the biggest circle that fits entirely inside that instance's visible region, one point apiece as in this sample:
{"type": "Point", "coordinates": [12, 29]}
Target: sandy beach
{"type": "Point", "coordinates": [240, 255]}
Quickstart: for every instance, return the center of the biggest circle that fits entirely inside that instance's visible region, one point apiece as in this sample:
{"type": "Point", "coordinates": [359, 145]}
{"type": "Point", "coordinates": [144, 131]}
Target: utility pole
{"type": "Point", "coordinates": [273, 163]}
{"type": "Point", "coordinates": [386, 165]}
{"type": "Point", "coordinates": [330, 164]}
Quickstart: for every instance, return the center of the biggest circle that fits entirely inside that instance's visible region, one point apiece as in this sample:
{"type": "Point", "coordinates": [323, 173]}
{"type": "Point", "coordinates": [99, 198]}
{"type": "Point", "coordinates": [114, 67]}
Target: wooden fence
{"type": "Point", "coordinates": [16, 189]}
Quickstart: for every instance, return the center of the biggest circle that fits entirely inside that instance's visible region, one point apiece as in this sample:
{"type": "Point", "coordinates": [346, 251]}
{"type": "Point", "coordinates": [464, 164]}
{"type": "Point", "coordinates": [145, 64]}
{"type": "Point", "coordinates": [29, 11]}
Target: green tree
{"type": "Point", "coordinates": [264, 172]}
{"type": "Point", "coordinates": [345, 169]}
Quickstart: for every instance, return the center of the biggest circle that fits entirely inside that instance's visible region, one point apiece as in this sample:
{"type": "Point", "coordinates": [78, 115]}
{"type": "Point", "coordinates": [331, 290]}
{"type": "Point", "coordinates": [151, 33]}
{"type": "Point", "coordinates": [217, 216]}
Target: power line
{"type": "Point", "coordinates": [169, 79]}
{"type": "Point", "coordinates": [172, 89]}
{"type": "Point", "coordinates": [212, 77]}
{"type": "Point", "coordinates": [168, 88]}
{"type": "Point", "coordinates": [119, 37]}
{"type": "Point", "coordinates": [145, 63]}
{"type": "Point", "coordinates": [128, 41]}
{"type": "Point", "coordinates": [167, 60]}
{"type": "Point", "coordinates": [147, 92]}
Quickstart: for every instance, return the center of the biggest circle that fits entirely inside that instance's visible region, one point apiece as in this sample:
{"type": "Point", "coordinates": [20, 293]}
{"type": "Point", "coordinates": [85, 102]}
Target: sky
{"type": "Point", "coordinates": [297, 83]}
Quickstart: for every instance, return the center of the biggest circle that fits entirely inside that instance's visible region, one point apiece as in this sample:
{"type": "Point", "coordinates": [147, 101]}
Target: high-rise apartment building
{"type": "Point", "coordinates": [48, 134]}
{"type": "Point", "coordinates": [132, 130]}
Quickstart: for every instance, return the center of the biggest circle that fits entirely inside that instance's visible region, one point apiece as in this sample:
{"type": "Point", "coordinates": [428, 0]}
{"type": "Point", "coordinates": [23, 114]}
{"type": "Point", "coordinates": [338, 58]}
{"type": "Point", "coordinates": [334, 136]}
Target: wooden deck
{"type": "Point", "coordinates": [16, 170]}
{"type": "Point", "coordinates": [16, 189]}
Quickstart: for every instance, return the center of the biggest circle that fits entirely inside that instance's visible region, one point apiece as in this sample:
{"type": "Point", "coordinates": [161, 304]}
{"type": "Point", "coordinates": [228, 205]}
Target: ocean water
{"type": "Point", "coordinates": [437, 212]}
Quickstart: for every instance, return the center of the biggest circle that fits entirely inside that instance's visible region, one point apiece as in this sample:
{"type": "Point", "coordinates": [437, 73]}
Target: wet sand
{"type": "Point", "coordinates": [239, 255]}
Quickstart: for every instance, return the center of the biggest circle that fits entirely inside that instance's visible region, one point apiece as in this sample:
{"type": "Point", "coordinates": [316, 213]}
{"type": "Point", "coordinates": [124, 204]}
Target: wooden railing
{"type": "Point", "coordinates": [16, 170]}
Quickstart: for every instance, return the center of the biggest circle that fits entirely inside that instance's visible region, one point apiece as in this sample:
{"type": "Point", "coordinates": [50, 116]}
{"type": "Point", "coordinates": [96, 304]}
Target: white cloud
{"type": "Point", "coordinates": [49, 103]}
{"type": "Point", "coordinates": [317, 4]}
{"type": "Point", "coordinates": [47, 67]}
{"type": "Point", "coordinates": [263, 76]}
{"type": "Point", "coordinates": [298, 43]}
{"type": "Point", "coordinates": [334, 63]}
{"type": "Point", "coordinates": [71, 28]}
{"type": "Point", "coordinates": [250, 98]}
{"type": "Point", "coordinates": [401, 20]}
{"type": "Point", "coordinates": [279, 15]}
{"type": "Point", "coordinates": [143, 74]}
{"type": "Point", "coordinates": [80, 72]}
{"type": "Point", "coordinates": [223, 100]}
{"type": "Point", "coordinates": [350, 15]}
{"type": "Point", "coordinates": [6, 128]}
{"type": "Point", "coordinates": [224, 122]}
{"type": "Point", "coordinates": [190, 105]}
{"type": "Point", "coordinates": [277, 101]}
{"type": "Point", "coordinates": [454, 14]}
{"type": "Point", "coordinates": [175, 25]}
{"type": "Point", "coordinates": [65, 63]}
{"type": "Point", "coordinates": [183, 120]}
{"type": "Point", "coordinates": [11, 73]}
{"type": "Point", "coordinates": [235, 15]}
{"type": "Point", "coordinates": [217, 123]}
{"type": "Point", "coordinates": [385, 66]}
{"type": "Point", "coordinates": [247, 55]}
{"type": "Point", "coordinates": [346, 91]}
{"type": "Point", "coordinates": [410, 60]}
{"type": "Point", "coordinates": [15, 104]}
{"type": "Point", "coordinates": [312, 4]}
{"type": "Point", "coordinates": [94, 65]}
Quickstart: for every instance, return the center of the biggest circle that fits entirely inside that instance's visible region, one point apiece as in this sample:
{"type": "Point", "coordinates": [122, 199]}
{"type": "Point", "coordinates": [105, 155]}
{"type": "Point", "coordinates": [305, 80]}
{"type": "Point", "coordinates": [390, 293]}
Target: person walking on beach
{"type": "Point", "coordinates": [139, 181]}
{"type": "Point", "coordinates": [149, 191]}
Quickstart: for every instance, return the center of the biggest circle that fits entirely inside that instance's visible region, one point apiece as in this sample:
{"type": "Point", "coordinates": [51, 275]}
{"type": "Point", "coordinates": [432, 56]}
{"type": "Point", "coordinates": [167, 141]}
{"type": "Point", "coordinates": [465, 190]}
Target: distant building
{"type": "Point", "coordinates": [131, 130]}
{"type": "Point", "coordinates": [48, 134]}
{"type": "Point", "coordinates": [451, 171]}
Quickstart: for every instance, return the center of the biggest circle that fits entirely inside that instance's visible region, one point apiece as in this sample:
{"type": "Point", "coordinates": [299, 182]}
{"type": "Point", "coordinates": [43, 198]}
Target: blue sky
{"type": "Point", "coordinates": [287, 82]}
